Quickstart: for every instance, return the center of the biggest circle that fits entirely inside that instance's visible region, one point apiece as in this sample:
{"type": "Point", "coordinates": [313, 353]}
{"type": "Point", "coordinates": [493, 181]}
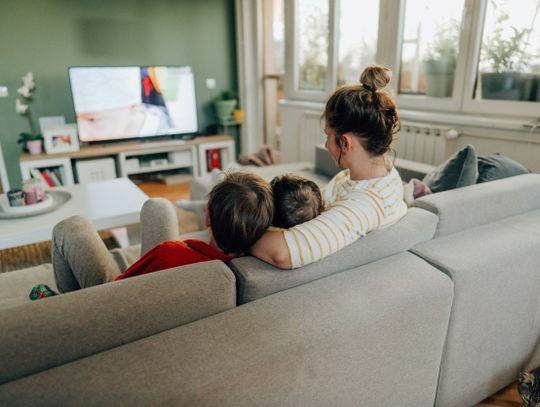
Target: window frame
{"type": "Point", "coordinates": [424, 102]}
{"type": "Point", "coordinates": [487, 106]}
{"type": "Point", "coordinates": [389, 46]}
{"type": "Point", "coordinates": [291, 83]}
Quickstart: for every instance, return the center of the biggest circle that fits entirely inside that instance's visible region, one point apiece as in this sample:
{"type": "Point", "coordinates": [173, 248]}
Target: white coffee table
{"type": "Point", "coordinates": [107, 204]}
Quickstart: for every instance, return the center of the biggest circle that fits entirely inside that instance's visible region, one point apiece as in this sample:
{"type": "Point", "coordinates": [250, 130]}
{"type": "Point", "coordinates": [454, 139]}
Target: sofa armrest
{"type": "Point", "coordinates": [484, 203]}
{"type": "Point", "coordinates": [49, 332]}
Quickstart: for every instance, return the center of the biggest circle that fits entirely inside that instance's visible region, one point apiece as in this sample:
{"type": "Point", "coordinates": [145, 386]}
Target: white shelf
{"type": "Point", "coordinates": [179, 154]}
{"type": "Point", "coordinates": [145, 169]}
{"type": "Point", "coordinates": [226, 149]}
{"type": "Point", "coordinates": [65, 163]}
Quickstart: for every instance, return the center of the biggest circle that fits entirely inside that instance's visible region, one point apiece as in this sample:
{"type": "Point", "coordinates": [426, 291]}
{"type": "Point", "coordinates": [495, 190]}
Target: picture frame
{"type": "Point", "coordinates": [61, 139]}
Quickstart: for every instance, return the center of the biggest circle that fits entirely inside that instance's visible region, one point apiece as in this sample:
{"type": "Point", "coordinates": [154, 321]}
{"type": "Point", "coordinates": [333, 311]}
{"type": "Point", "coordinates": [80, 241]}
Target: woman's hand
{"type": "Point", "coordinates": [272, 248]}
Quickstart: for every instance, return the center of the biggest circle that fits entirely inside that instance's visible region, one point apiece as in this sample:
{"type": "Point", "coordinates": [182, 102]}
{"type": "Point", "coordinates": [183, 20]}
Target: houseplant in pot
{"type": "Point", "coordinates": [224, 105]}
{"type": "Point", "coordinates": [439, 62]}
{"type": "Point", "coordinates": [32, 141]}
{"type": "Point", "coordinates": [506, 55]}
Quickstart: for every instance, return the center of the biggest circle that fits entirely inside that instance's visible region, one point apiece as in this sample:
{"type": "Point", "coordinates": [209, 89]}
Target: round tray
{"type": "Point", "coordinates": [59, 198]}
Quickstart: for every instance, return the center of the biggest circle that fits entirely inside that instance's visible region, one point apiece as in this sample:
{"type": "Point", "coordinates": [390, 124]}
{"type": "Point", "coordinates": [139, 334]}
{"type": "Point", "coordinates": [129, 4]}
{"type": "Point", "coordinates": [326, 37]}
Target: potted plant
{"type": "Point", "coordinates": [225, 104]}
{"type": "Point", "coordinates": [32, 141]}
{"type": "Point", "coordinates": [440, 61]}
{"type": "Point", "coordinates": [507, 57]}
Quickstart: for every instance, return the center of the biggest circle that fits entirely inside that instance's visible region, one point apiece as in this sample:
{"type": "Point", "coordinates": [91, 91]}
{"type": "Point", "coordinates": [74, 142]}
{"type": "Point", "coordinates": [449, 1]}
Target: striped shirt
{"type": "Point", "coordinates": [354, 209]}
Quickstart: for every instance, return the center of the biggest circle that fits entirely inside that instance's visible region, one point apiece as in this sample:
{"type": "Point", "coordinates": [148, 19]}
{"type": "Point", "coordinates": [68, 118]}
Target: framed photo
{"type": "Point", "coordinates": [61, 139]}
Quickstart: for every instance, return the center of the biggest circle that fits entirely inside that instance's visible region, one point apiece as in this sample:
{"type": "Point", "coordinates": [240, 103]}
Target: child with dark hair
{"type": "Point", "coordinates": [240, 210]}
{"type": "Point", "coordinates": [296, 200]}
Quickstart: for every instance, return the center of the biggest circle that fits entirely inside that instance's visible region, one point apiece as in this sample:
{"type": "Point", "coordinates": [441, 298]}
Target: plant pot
{"type": "Point", "coordinates": [34, 147]}
{"type": "Point", "coordinates": [224, 109]}
{"type": "Point", "coordinates": [439, 76]}
{"type": "Point", "coordinates": [507, 86]}
{"type": "Point", "coordinates": [536, 88]}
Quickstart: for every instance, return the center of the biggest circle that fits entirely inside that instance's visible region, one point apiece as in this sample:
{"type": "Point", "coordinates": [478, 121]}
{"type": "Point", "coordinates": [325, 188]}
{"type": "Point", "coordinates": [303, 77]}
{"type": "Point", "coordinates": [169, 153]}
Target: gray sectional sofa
{"type": "Point", "coordinates": [439, 309]}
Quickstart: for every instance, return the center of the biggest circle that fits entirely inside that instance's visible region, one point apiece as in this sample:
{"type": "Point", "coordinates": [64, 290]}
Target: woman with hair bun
{"type": "Point", "coordinates": [360, 123]}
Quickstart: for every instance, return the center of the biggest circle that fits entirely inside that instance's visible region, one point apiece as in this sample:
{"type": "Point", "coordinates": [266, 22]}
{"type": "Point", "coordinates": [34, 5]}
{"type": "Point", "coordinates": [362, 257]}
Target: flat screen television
{"type": "Point", "coordinates": [114, 103]}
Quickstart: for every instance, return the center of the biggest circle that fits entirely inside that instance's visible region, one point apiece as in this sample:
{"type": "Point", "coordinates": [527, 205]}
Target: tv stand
{"type": "Point", "coordinates": [130, 158]}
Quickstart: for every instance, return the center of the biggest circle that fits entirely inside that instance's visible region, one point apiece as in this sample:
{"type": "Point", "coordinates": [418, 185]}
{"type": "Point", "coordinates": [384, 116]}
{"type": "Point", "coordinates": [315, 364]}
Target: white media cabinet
{"type": "Point", "coordinates": [129, 158]}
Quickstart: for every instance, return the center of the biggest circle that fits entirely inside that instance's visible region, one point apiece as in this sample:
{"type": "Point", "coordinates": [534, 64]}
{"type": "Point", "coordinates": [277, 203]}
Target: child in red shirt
{"type": "Point", "coordinates": [240, 209]}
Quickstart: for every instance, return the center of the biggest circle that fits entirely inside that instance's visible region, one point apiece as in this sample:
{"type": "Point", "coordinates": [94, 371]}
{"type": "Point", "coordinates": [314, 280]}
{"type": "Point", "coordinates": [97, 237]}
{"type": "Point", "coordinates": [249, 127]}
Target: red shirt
{"type": "Point", "coordinates": [173, 253]}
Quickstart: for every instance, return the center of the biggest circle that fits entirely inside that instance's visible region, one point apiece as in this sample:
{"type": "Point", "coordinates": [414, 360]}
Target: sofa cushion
{"type": "Point", "coordinates": [458, 171]}
{"type": "Point", "coordinates": [324, 164]}
{"type": "Point", "coordinates": [15, 285]}
{"type": "Point", "coordinates": [42, 334]}
{"type": "Point", "coordinates": [257, 279]}
{"type": "Point", "coordinates": [201, 186]}
{"type": "Point", "coordinates": [494, 323]}
{"type": "Point", "coordinates": [371, 336]}
{"type": "Point", "coordinates": [497, 166]}
{"type": "Point", "coordinates": [482, 203]}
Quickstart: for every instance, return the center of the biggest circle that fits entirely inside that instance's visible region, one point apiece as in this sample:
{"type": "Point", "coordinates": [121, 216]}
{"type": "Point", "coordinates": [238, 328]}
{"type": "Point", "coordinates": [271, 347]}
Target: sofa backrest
{"type": "Point", "coordinates": [479, 204]}
{"type": "Point", "coordinates": [257, 279]}
{"type": "Point", "coordinates": [49, 332]}
{"type": "Point", "coordinates": [372, 336]}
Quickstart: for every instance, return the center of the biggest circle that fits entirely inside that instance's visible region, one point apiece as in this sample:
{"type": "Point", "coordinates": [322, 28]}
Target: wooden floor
{"type": "Point", "coordinates": [507, 397]}
{"type": "Point", "coordinates": [172, 192]}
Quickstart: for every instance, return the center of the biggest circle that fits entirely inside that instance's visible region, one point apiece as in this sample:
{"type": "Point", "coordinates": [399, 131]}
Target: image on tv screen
{"type": "Point", "coordinates": [126, 102]}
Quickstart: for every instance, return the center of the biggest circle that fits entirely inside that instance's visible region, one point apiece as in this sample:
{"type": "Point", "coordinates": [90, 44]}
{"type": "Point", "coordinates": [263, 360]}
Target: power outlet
{"type": "Point", "coordinates": [210, 83]}
{"type": "Point", "coordinates": [4, 92]}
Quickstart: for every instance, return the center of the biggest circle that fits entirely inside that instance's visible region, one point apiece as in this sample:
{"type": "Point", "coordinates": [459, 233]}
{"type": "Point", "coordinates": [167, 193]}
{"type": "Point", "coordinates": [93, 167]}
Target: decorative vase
{"type": "Point", "coordinates": [34, 146]}
{"type": "Point", "coordinates": [224, 109]}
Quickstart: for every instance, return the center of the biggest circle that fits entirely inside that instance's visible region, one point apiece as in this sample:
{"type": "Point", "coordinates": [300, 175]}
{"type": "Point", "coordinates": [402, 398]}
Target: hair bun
{"type": "Point", "coordinates": [375, 77]}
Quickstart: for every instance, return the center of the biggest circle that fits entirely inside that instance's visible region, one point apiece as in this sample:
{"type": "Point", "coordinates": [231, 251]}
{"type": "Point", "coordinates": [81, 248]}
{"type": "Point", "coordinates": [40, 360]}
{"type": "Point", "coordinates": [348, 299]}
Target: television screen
{"type": "Point", "coordinates": [125, 102]}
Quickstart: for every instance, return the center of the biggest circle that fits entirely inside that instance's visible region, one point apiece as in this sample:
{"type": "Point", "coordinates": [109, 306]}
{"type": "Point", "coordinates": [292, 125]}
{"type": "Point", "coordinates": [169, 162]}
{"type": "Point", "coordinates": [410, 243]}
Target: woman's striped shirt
{"type": "Point", "coordinates": [354, 209]}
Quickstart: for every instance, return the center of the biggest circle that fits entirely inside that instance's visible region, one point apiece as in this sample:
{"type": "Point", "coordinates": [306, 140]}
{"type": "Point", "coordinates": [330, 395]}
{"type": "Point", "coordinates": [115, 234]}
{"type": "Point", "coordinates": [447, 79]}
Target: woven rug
{"type": "Point", "coordinates": [35, 254]}
{"type": "Point", "coordinates": [38, 253]}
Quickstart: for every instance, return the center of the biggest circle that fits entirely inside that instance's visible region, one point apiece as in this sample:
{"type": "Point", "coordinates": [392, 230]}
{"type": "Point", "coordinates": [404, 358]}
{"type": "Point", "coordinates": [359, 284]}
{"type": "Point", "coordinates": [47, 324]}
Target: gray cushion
{"type": "Point", "coordinates": [497, 166]}
{"type": "Point", "coordinates": [482, 203]}
{"type": "Point", "coordinates": [372, 336]}
{"type": "Point", "coordinates": [324, 164]}
{"type": "Point", "coordinates": [16, 285]}
{"type": "Point", "coordinates": [52, 331]}
{"type": "Point", "coordinates": [257, 279]}
{"type": "Point", "coordinates": [494, 323]}
{"type": "Point", "coordinates": [458, 171]}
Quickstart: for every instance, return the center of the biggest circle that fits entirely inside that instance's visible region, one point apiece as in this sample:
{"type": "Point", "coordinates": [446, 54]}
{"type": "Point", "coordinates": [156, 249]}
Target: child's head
{"type": "Point", "coordinates": [296, 200]}
{"type": "Point", "coordinates": [240, 209]}
{"type": "Point", "coordinates": [365, 111]}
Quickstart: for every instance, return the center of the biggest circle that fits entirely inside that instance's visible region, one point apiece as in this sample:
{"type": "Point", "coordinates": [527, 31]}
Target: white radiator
{"type": "Point", "coordinates": [311, 135]}
{"type": "Point", "coordinates": [420, 142]}
{"type": "Point", "coordinates": [425, 143]}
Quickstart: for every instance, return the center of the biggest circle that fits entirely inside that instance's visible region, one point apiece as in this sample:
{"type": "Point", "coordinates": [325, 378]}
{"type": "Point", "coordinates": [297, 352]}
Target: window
{"type": "Point", "coordinates": [509, 66]}
{"type": "Point", "coordinates": [358, 26]}
{"type": "Point", "coordinates": [312, 21]}
{"type": "Point", "coordinates": [430, 46]}
{"type": "Point", "coordinates": [473, 56]}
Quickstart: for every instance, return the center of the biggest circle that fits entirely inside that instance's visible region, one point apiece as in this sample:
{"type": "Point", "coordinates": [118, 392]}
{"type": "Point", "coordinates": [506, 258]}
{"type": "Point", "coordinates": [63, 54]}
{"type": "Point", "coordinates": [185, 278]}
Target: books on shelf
{"type": "Point", "coordinates": [52, 177]}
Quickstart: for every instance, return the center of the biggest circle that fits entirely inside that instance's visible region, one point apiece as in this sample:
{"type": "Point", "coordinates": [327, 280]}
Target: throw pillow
{"type": "Point", "coordinates": [458, 171]}
{"type": "Point", "coordinates": [496, 166]}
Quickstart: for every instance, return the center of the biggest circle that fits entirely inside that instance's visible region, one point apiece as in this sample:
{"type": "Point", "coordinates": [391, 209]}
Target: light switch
{"type": "Point", "coordinates": [210, 83]}
{"type": "Point", "coordinates": [3, 92]}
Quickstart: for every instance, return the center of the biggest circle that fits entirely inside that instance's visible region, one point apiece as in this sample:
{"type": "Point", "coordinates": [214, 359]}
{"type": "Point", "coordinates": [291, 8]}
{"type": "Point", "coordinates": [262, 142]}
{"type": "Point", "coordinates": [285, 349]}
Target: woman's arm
{"type": "Point", "coordinates": [272, 248]}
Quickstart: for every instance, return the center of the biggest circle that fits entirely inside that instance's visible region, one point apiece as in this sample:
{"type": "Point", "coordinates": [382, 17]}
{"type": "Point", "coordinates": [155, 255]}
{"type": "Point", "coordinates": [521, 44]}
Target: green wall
{"type": "Point", "coordinates": [48, 36]}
